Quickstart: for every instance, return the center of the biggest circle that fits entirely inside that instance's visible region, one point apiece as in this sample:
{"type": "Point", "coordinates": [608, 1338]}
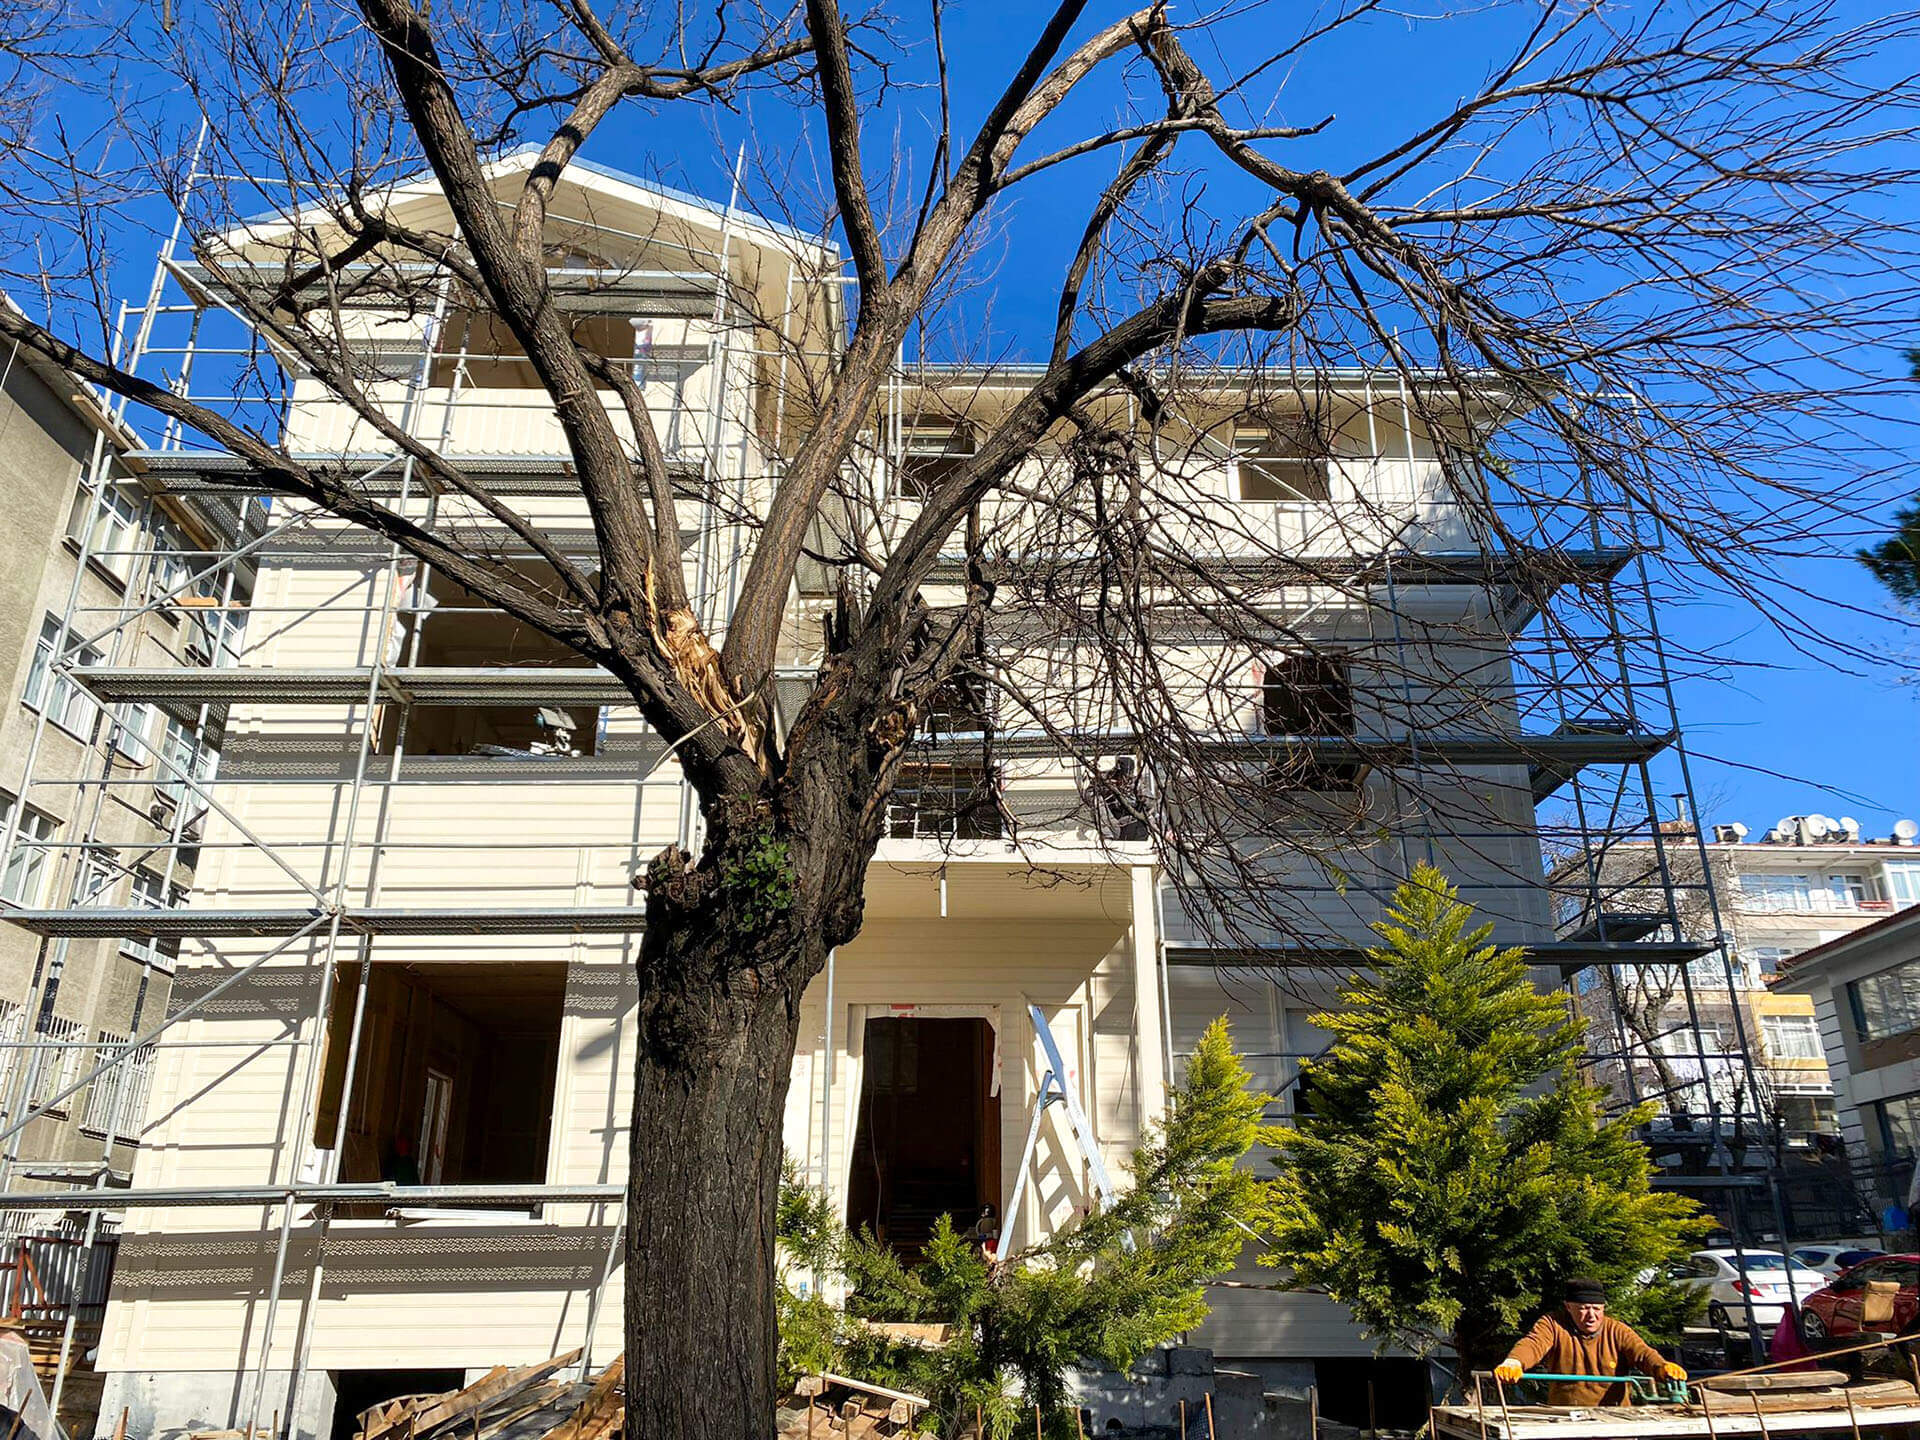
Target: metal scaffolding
{"type": "Point", "coordinates": [1604, 718]}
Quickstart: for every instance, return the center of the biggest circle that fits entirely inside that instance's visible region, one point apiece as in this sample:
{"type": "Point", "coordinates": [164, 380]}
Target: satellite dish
{"type": "Point", "coordinates": [1905, 830]}
{"type": "Point", "coordinates": [1739, 830]}
{"type": "Point", "coordinates": [1851, 826]}
{"type": "Point", "coordinates": [1819, 825]}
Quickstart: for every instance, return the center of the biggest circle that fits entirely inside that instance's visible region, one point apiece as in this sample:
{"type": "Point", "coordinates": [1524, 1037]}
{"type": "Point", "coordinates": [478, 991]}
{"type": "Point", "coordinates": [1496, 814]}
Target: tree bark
{"type": "Point", "coordinates": [705, 1154]}
{"type": "Point", "coordinates": [731, 943]}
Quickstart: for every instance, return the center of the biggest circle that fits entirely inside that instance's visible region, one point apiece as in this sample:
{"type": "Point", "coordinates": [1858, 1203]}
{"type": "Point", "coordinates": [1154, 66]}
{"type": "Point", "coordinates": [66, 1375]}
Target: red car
{"type": "Point", "coordinates": [1834, 1313]}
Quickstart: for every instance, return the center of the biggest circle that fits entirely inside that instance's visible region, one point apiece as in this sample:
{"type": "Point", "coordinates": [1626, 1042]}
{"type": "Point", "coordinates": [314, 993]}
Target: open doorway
{"type": "Point", "coordinates": [456, 1073]}
{"type": "Point", "coordinates": [927, 1142]}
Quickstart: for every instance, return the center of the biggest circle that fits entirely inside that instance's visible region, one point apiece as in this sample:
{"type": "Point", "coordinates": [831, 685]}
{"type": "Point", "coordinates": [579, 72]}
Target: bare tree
{"type": "Point", "coordinates": [1647, 254]}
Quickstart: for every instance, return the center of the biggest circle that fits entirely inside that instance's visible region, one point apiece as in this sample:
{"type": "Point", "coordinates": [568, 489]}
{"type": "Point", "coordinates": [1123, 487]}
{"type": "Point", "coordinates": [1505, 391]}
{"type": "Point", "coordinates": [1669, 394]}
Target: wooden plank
{"type": "Point", "coordinates": [881, 1390]}
{"type": "Point", "coordinates": [497, 1385]}
{"type": "Point", "coordinates": [547, 1395]}
{"type": "Point", "coordinates": [604, 1407]}
{"type": "Point", "coordinates": [1657, 1422]}
{"type": "Point", "coordinates": [418, 1415]}
{"type": "Point", "coordinates": [1883, 1392]}
{"type": "Point", "coordinates": [1782, 1380]}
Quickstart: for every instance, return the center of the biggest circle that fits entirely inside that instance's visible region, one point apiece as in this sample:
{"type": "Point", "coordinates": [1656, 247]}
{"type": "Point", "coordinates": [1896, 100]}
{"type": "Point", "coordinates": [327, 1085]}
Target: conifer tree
{"type": "Point", "coordinates": [1450, 1166]}
{"type": "Point", "coordinates": [1106, 1288]}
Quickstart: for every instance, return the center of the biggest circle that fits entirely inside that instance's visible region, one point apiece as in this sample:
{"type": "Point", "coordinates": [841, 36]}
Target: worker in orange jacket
{"type": "Point", "coordinates": [1580, 1338]}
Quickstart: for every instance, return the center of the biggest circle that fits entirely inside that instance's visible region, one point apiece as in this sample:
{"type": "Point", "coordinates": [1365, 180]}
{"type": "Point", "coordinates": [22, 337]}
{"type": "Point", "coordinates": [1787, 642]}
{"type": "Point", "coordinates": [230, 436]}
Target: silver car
{"type": "Point", "coordinates": [1830, 1260]}
{"type": "Point", "coordinates": [1732, 1280]}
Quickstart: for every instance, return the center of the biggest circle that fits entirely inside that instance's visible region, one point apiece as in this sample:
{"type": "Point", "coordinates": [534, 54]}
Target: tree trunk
{"type": "Point", "coordinates": [1477, 1346]}
{"type": "Point", "coordinates": [704, 1177]}
{"type": "Point", "coordinates": [731, 942]}
{"type": "Point", "coordinates": [701, 1195]}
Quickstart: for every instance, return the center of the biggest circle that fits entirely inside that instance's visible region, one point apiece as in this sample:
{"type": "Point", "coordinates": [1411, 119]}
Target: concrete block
{"type": "Point", "coordinates": [1189, 1360]}
{"type": "Point", "coordinates": [169, 1404]}
{"type": "Point", "coordinates": [1154, 1362]}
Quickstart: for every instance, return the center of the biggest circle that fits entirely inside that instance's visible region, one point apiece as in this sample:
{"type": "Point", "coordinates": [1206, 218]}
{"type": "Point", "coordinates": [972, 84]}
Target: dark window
{"type": "Point", "coordinates": [1307, 695]}
{"type": "Point", "coordinates": [927, 1142]}
{"type": "Point", "coordinates": [958, 707]}
{"type": "Point", "coordinates": [930, 451]}
{"type": "Point", "coordinates": [1887, 1003]}
{"type": "Point", "coordinates": [936, 800]}
{"type": "Point", "coordinates": [455, 1072]}
{"type": "Point", "coordinates": [1275, 468]}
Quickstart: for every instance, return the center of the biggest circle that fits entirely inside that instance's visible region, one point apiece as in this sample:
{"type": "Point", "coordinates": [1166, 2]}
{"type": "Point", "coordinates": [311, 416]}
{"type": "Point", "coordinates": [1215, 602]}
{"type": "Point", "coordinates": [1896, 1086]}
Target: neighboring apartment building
{"type": "Point", "coordinates": [457, 854]}
{"type": "Point", "coordinates": [1865, 990]}
{"type": "Point", "coordinates": [1807, 881]}
{"type": "Point", "coordinates": [92, 797]}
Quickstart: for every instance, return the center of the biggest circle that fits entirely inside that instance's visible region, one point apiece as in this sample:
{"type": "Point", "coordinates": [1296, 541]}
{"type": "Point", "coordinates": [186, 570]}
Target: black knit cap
{"type": "Point", "coordinates": [1584, 1292]}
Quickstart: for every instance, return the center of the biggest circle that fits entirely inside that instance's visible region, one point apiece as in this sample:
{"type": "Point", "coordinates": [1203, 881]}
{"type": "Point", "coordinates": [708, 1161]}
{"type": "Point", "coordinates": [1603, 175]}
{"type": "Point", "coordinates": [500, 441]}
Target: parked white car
{"type": "Point", "coordinates": [1830, 1260]}
{"type": "Point", "coordinates": [1732, 1278]}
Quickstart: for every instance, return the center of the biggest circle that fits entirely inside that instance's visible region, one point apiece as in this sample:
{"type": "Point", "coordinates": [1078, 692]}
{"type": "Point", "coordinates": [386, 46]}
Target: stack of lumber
{"type": "Point", "coordinates": [834, 1407]}
{"type": "Point", "coordinates": [81, 1391]}
{"type": "Point", "coordinates": [527, 1403]}
{"type": "Point", "coordinates": [523, 1403]}
{"type": "Point", "coordinates": [1797, 1392]}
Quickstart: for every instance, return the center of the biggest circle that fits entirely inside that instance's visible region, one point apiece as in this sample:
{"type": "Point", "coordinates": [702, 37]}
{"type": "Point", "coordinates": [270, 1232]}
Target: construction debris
{"type": "Point", "coordinates": [533, 1403]}
{"type": "Point", "coordinates": [835, 1407]}
{"type": "Point", "coordinates": [527, 1403]}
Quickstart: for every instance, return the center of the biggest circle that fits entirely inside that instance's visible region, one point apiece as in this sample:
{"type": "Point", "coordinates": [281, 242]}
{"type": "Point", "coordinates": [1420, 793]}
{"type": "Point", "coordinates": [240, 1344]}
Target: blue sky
{"type": "Point", "coordinates": [1775, 726]}
{"type": "Point", "coordinates": [1774, 731]}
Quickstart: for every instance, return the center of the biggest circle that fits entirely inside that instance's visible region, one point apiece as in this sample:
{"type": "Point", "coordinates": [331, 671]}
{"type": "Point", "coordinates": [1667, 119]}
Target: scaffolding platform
{"type": "Point", "coordinates": [202, 471]}
{"type": "Point", "coordinates": [1570, 956]}
{"type": "Point", "coordinates": [1622, 926]}
{"type": "Point", "coordinates": [189, 922]}
{"type": "Point", "coordinates": [349, 684]}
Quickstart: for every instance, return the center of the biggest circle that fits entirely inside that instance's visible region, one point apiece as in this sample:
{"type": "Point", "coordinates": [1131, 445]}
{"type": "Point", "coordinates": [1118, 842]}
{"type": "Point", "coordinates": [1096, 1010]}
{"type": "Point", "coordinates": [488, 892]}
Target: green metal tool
{"type": "Point", "coordinates": [1643, 1389]}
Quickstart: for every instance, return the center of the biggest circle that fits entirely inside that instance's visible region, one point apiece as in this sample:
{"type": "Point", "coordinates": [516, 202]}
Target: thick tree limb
{"type": "Point", "coordinates": [285, 476]}
{"type": "Point", "coordinates": [840, 111]}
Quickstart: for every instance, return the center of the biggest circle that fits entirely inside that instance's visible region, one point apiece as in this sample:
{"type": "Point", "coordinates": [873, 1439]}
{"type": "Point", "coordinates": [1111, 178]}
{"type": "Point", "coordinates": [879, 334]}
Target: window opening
{"type": "Point", "coordinates": [456, 1073]}
{"type": "Point", "coordinates": [1791, 1037]}
{"type": "Point", "coordinates": [109, 531]}
{"type": "Point", "coordinates": [1308, 697]}
{"type": "Point", "coordinates": [59, 1059]}
{"type": "Point", "coordinates": [357, 1391]}
{"type": "Point", "coordinates": [183, 754]}
{"type": "Point", "coordinates": [936, 800]}
{"type": "Point", "coordinates": [1272, 467]}
{"type": "Point", "coordinates": [27, 867]}
{"type": "Point", "coordinates": [150, 892]}
{"type": "Point", "coordinates": [458, 630]}
{"type": "Point", "coordinates": [1776, 892]}
{"type": "Point", "coordinates": [64, 702]}
{"type": "Point", "coordinates": [930, 452]}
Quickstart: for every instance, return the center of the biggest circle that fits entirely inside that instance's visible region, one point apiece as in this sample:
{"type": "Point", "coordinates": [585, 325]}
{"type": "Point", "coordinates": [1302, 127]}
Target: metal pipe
{"type": "Point", "coordinates": [174, 1019]}
{"type": "Point", "coordinates": [409, 423]}
{"type": "Point", "coordinates": [369, 1193]}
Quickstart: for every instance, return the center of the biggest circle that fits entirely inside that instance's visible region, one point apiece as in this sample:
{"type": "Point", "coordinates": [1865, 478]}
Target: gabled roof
{"type": "Point", "coordinates": [521, 157]}
{"type": "Point", "coordinates": [583, 174]}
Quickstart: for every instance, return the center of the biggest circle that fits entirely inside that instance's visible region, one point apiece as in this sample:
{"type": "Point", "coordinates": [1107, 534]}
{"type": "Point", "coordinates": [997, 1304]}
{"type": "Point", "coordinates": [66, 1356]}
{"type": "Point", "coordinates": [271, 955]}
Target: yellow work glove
{"type": "Point", "coordinates": [1508, 1371]}
{"type": "Point", "coordinates": [1671, 1371]}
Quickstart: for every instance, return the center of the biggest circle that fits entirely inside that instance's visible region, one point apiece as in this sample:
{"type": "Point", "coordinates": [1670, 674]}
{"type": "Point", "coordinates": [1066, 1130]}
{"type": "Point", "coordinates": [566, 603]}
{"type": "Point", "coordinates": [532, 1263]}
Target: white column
{"type": "Point", "coordinates": [1149, 1024]}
